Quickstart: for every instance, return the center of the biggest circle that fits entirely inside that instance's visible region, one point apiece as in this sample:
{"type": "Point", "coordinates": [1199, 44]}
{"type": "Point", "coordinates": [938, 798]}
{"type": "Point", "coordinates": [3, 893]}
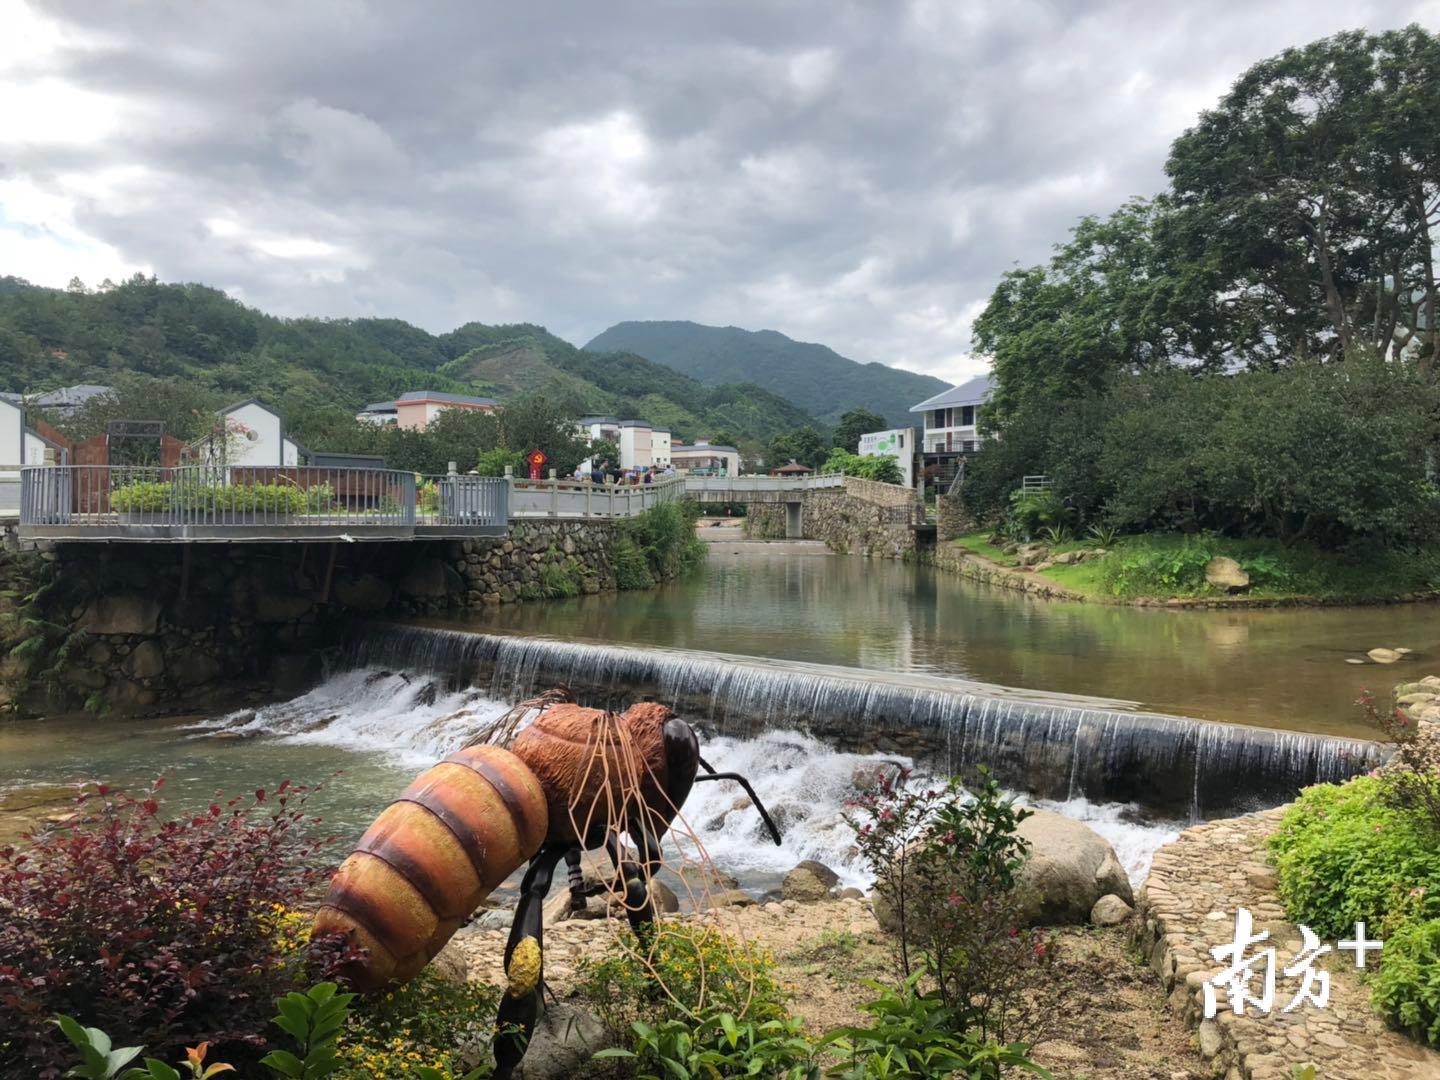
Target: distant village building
{"type": "Point", "coordinates": [640, 444]}
{"type": "Point", "coordinates": [951, 429]}
{"type": "Point", "coordinates": [62, 402]}
{"type": "Point", "coordinates": [703, 459]}
{"type": "Point", "coordinates": [249, 434]}
{"type": "Point", "coordinates": [899, 443]}
{"type": "Point", "coordinates": [20, 444]}
{"type": "Point", "coordinates": [414, 409]}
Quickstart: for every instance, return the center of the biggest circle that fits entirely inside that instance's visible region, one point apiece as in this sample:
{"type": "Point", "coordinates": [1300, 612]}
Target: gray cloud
{"type": "Point", "coordinates": [852, 173]}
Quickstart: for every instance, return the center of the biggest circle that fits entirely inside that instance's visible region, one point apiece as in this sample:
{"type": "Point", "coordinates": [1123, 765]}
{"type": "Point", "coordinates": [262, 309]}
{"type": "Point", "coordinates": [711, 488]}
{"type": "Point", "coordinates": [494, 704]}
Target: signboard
{"type": "Point", "coordinates": [536, 460]}
{"type": "Point", "coordinates": [898, 443]}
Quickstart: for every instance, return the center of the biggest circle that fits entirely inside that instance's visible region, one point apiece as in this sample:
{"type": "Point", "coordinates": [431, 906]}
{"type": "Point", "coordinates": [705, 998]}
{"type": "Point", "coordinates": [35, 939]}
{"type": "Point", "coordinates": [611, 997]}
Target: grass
{"type": "Point", "coordinates": [1165, 566]}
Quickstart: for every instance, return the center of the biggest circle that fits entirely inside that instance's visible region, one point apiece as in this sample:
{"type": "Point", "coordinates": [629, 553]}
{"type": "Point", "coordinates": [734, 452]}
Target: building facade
{"type": "Point", "coordinates": [415, 409]}
{"type": "Point", "coordinates": [641, 445]}
{"type": "Point", "coordinates": [703, 459]}
{"type": "Point", "coordinates": [951, 430]}
{"type": "Point", "coordinates": [899, 443]}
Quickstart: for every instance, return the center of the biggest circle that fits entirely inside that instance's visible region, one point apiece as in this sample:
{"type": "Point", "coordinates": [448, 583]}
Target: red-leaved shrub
{"type": "Point", "coordinates": [160, 931]}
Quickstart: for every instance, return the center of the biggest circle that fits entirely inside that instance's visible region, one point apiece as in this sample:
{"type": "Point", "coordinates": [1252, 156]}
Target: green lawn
{"type": "Point", "coordinates": [1162, 566]}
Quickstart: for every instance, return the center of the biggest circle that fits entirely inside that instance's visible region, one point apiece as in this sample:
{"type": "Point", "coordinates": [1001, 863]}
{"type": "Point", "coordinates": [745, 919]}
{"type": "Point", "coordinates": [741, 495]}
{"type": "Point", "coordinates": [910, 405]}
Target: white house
{"type": "Point", "coordinates": [705, 459]}
{"type": "Point", "coordinates": [256, 437]}
{"type": "Point", "coordinates": [949, 417]}
{"type": "Point", "coordinates": [19, 443]}
{"type": "Point", "coordinates": [380, 414]}
{"type": "Point", "coordinates": [898, 443]}
{"type": "Point", "coordinates": [641, 445]}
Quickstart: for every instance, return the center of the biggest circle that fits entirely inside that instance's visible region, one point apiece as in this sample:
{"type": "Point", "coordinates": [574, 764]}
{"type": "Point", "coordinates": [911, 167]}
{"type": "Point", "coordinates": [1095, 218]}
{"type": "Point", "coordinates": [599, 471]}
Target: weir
{"type": "Point", "coordinates": [1054, 746]}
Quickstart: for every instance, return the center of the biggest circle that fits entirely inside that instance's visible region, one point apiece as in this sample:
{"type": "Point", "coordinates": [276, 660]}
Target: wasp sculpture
{"type": "Point", "coordinates": [573, 779]}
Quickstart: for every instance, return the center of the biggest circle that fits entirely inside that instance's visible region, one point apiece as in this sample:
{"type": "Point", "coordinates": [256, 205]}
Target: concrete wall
{"type": "Point", "coordinates": [12, 427]}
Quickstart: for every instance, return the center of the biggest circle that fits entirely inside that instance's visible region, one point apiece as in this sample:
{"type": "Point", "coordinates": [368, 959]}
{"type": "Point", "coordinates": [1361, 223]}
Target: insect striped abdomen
{"type": "Point", "coordinates": [429, 859]}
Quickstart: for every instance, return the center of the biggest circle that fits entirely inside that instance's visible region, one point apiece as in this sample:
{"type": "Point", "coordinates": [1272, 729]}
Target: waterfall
{"type": "Point", "coordinates": [1053, 746]}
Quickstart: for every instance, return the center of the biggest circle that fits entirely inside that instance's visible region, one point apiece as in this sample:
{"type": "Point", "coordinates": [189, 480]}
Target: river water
{"type": "Point", "coordinates": [1276, 667]}
{"type": "Point", "coordinates": [366, 731]}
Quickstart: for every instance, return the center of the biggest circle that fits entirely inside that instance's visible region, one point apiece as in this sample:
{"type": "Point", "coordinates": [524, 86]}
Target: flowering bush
{"type": "Point", "coordinates": [947, 864]}
{"type": "Point", "coordinates": [425, 1022]}
{"type": "Point", "coordinates": [164, 931]}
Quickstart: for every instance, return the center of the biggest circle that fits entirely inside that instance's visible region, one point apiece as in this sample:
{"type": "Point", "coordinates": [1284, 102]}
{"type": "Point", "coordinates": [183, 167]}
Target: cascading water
{"type": "Point", "coordinates": [412, 719]}
{"type": "Point", "coordinates": [1055, 747]}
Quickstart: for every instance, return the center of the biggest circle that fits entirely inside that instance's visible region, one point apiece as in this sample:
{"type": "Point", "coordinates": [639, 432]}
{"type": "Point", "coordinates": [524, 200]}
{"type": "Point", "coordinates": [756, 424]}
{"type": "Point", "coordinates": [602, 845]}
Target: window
{"type": "Point", "coordinates": [967, 416]}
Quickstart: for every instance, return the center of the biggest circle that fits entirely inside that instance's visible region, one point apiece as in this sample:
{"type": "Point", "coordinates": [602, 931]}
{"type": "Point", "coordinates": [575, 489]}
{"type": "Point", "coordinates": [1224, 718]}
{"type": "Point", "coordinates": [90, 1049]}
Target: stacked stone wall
{"type": "Point", "coordinates": [765, 521]}
{"type": "Point", "coordinates": [856, 526]}
{"type": "Point", "coordinates": [135, 627]}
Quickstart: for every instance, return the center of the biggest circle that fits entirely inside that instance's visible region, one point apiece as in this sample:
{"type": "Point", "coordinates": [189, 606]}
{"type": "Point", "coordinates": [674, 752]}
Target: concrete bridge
{"type": "Point", "coordinates": [190, 504]}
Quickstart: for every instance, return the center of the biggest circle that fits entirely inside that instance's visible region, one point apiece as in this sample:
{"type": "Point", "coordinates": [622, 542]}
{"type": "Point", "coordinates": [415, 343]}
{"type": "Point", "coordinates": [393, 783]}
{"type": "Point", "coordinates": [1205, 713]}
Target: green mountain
{"type": "Point", "coordinates": [319, 372]}
{"type": "Point", "coordinates": [815, 377]}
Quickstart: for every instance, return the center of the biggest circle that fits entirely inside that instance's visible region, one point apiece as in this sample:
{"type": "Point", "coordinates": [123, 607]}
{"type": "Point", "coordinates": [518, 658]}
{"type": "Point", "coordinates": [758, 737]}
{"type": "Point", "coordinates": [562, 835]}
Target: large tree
{"type": "Point", "coordinates": [853, 424]}
{"type": "Point", "coordinates": [1312, 191]}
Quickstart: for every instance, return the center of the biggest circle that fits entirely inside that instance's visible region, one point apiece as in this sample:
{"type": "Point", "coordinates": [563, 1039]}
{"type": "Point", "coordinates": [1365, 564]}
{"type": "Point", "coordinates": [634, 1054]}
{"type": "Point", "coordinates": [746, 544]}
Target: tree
{"type": "Point", "coordinates": [188, 411]}
{"type": "Point", "coordinates": [857, 422]}
{"type": "Point", "coordinates": [881, 467]}
{"type": "Point", "coordinates": [1313, 190]}
{"type": "Point", "coordinates": [603, 450]}
{"type": "Point", "coordinates": [804, 445]}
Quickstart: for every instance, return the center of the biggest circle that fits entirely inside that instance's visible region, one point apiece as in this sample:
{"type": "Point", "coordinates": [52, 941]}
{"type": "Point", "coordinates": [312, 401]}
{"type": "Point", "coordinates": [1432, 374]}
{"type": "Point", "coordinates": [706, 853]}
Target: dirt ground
{"type": "Point", "coordinates": [1111, 1023]}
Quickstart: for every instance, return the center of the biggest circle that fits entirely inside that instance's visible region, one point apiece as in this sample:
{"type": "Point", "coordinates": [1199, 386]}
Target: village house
{"type": "Point", "coordinates": [414, 409]}
{"type": "Point", "coordinates": [950, 428]}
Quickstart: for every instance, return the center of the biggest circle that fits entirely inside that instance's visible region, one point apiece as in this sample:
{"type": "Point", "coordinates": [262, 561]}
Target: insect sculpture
{"type": "Point", "coordinates": [573, 779]}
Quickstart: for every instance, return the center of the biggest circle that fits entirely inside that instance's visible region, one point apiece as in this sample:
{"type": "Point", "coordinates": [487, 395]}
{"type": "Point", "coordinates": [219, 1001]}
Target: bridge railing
{"type": "Point", "coordinates": [699, 486]}
{"type": "Point", "coordinates": [157, 501]}
{"type": "Point", "coordinates": [581, 499]}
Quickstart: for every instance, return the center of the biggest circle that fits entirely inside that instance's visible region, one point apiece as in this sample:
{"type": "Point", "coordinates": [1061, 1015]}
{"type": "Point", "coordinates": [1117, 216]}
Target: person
{"type": "Point", "coordinates": [614, 472]}
{"type": "Point", "coordinates": [579, 472]}
{"type": "Point", "coordinates": [650, 475]}
{"type": "Point", "coordinates": [597, 474]}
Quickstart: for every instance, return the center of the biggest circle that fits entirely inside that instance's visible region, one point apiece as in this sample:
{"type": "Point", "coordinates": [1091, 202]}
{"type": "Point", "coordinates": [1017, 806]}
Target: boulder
{"type": "Point", "coordinates": [450, 963]}
{"type": "Point", "coordinates": [424, 578]}
{"type": "Point", "coordinates": [565, 1040]}
{"type": "Point", "coordinates": [871, 774]}
{"type": "Point", "coordinates": [147, 661]}
{"type": "Point", "coordinates": [366, 592]}
{"type": "Point", "coordinates": [809, 881]}
{"type": "Point", "coordinates": [731, 898]}
{"type": "Point", "coordinates": [664, 898]}
{"type": "Point", "coordinates": [1031, 554]}
{"type": "Point", "coordinates": [1224, 573]}
{"type": "Point", "coordinates": [123, 613]}
{"type": "Point", "coordinates": [1068, 558]}
{"type": "Point", "coordinates": [1069, 868]}
{"type": "Point", "coordinates": [191, 668]}
{"type": "Point", "coordinates": [1110, 910]}
{"type": "Point", "coordinates": [1384, 656]}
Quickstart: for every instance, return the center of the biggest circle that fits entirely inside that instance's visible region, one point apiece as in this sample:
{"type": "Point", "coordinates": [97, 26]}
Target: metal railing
{"type": "Point", "coordinates": [197, 497]}
{"type": "Point", "coordinates": [462, 501]}
{"type": "Point", "coordinates": [1035, 483]}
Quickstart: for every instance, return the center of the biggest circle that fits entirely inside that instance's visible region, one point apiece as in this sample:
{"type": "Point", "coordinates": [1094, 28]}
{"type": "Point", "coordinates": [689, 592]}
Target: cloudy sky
{"type": "Point", "coordinates": [851, 173]}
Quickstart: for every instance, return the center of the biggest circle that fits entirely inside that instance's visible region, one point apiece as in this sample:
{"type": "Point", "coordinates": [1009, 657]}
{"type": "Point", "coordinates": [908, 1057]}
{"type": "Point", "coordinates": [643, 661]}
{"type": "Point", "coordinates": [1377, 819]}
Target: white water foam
{"type": "Point", "coordinates": [412, 720]}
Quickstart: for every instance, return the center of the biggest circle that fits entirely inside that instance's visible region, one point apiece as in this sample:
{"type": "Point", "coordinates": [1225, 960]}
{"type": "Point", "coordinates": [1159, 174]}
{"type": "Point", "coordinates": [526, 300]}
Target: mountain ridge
{"type": "Point", "coordinates": [813, 376]}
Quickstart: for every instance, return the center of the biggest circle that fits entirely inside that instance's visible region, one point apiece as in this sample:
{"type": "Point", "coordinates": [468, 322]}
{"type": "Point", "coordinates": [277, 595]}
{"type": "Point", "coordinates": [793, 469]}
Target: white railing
{"type": "Point", "coordinates": [699, 486]}
{"type": "Point", "coordinates": [584, 500]}
{"type": "Point", "coordinates": [9, 491]}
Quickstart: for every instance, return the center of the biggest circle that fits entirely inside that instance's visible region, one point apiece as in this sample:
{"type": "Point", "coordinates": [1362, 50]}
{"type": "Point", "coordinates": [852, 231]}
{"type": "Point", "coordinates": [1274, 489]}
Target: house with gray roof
{"type": "Point", "coordinates": [949, 418]}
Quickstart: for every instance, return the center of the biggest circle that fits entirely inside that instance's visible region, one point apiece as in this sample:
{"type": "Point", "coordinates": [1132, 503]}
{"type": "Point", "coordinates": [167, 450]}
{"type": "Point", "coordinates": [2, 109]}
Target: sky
{"type": "Point", "coordinates": [857, 174]}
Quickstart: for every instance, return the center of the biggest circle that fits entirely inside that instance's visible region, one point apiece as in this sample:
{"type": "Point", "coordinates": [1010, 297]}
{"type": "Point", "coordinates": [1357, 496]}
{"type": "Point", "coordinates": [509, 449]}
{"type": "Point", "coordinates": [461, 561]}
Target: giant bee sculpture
{"type": "Point", "coordinates": [573, 779]}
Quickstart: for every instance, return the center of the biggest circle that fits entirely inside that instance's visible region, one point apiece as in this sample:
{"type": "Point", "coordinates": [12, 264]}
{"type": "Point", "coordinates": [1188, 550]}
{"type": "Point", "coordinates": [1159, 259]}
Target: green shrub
{"type": "Point", "coordinates": [1344, 856]}
{"type": "Point", "coordinates": [688, 971]}
{"type": "Point", "coordinates": [718, 1047]}
{"type": "Point", "coordinates": [631, 569]}
{"type": "Point", "coordinates": [1031, 512]}
{"type": "Point", "coordinates": [257, 498]}
{"type": "Point", "coordinates": [916, 1036]}
{"type": "Point", "coordinates": [493, 463]}
{"type": "Point", "coordinates": [883, 468]}
{"type": "Point", "coordinates": [320, 498]}
{"type": "Point", "coordinates": [657, 545]}
{"type": "Point", "coordinates": [1407, 988]}
{"type": "Point", "coordinates": [561, 577]}
{"type": "Point", "coordinates": [141, 496]}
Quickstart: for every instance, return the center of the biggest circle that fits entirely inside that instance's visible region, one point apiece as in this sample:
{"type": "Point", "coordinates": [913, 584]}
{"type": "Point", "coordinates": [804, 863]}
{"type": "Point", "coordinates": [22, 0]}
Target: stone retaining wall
{"type": "Point", "coordinates": [1188, 906]}
{"type": "Point", "coordinates": [957, 560]}
{"type": "Point", "coordinates": [133, 626]}
{"type": "Point", "coordinates": [765, 521]}
{"type": "Point", "coordinates": [853, 525]}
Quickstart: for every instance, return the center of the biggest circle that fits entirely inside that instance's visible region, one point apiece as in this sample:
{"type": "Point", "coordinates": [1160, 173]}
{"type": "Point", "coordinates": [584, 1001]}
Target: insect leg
{"type": "Point", "coordinates": [524, 964]}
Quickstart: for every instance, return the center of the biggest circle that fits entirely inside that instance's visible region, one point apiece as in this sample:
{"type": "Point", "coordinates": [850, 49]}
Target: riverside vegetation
{"type": "Point", "coordinates": [1369, 851]}
{"type": "Point", "coordinates": [1232, 368]}
{"type": "Point", "coordinates": [173, 936]}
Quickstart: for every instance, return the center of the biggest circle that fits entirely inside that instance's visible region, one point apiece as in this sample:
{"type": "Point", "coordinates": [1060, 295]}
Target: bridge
{"type": "Point", "coordinates": [199, 504]}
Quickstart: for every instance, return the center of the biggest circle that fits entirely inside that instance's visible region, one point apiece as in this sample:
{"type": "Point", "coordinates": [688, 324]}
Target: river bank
{"type": "Point", "coordinates": [1161, 572]}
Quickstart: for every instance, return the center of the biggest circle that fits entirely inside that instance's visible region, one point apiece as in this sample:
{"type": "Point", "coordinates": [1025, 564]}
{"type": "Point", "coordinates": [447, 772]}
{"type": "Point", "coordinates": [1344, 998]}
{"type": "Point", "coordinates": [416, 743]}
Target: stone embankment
{"type": "Point", "coordinates": [862, 518]}
{"type": "Point", "coordinates": [129, 627]}
{"type": "Point", "coordinates": [1188, 907]}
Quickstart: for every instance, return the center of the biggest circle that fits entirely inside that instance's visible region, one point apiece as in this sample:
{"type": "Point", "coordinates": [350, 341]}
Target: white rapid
{"type": "Point", "coordinates": [412, 721]}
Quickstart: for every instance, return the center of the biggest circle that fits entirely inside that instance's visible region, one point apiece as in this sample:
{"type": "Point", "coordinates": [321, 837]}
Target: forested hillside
{"type": "Point", "coordinates": [815, 377]}
{"type": "Point", "coordinates": [319, 372]}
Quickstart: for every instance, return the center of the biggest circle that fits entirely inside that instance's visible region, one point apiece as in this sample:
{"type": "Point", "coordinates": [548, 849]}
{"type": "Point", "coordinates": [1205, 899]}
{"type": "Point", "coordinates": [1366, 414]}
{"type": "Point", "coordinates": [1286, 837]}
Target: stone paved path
{"type": "Point", "coordinates": [1188, 905]}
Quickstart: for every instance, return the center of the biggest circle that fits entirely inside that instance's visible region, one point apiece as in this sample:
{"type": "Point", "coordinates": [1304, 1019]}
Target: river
{"type": "Point", "coordinates": [368, 729]}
